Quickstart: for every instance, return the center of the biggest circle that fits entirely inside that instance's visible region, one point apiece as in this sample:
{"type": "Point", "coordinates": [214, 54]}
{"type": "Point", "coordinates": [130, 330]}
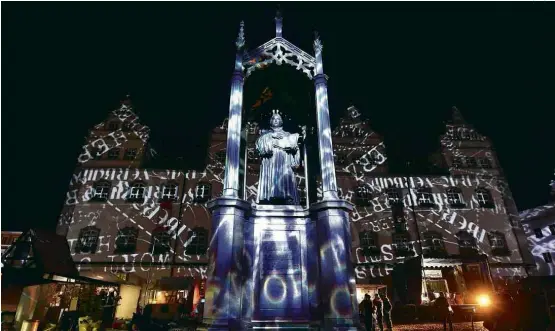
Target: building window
{"type": "Point", "coordinates": [471, 162]}
{"type": "Point", "coordinates": [113, 154]}
{"type": "Point", "coordinates": [485, 162]}
{"type": "Point", "coordinates": [547, 257]}
{"type": "Point", "coordinates": [220, 156]}
{"type": "Point", "coordinates": [161, 241]}
{"type": "Point", "coordinates": [402, 245]}
{"type": "Point", "coordinates": [369, 243]}
{"type": "Point", "coordinates": [136, 192]}
{"type": "Point", "coordinates": [455, 197]}
{"type": "Point", "coordinates": [170, 192]}
{"type": "Point", "coordinates": [474, 136]}
{"type": "Point", "coordinates": [457, 162]}
{"type": "Point", "coordinates": [498, 244]}
{"type": "Point", "coordinates": [552, 229]}
{"type": "Point", "coordinates": [126, 240]}
{"type": "Point", "coordinates": [88, 240]}
{"type": "Point", "coordinates": [340, 159]}
{"type": "Point", "coordinates": [362, 196]}
{"type": "Point", "coordinates": [467, 243]}
{"type": "Point", "coordinates": [198, 242]}
{"type": "Point", "coordinates": [434, 242]}
{"type": "Point", "coordinates": [539, 233]}
{"type": "Point", "coordinates": [484, 198]}
{"type": "Point", "coordinates": [113, 125]}
{"type": "Point", "coordinates": [425, 197]}
{"type": "Point", "coordinates": [203, 192]}
{"type": "Point", "coordinates": [101, 190]}
{"type": "Point", "coordinates": [393, 196]}
{"type": "Point", "coordinates": [130, 154]}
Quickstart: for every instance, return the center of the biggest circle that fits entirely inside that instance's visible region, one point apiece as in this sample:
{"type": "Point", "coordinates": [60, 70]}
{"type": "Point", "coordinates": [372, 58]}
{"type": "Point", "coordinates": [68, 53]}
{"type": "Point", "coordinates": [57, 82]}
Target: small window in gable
{"type": "Point", "coordinates": [101, 191]}
{"type": "Point", "coordinates": [455, 197]}
{"type": "Point", "coordinates": [136, 192]}
{"type": "Point", "coordinates": [197, 242]}
{"type": "Point", "coordinates": [88, 240]}
{"type": "Point", "coordinates": [113, 125]}
{"type": "Point", "coordinates": [425, 197]}
{"type": "Point", "coordinates": [538, 233]}
{"type": "Point", "coordinates": [170, 192]}
{"type": "Point", "coordinates": [126, 240]}
{"type": "Point", "coordinates": [484, 198]}
{"type": "Point", "coordinates": [203, 192]}
{"type": "Point", "coordinates": [113, 154]}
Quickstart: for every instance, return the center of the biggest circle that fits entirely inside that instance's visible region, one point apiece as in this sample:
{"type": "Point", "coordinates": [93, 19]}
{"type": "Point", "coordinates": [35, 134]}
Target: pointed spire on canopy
{"type": "Point", "coordinates": [317, 43]}
{"type": "Point", "coordinates": [127, 100]}
{"type": "Point", "coordinates": [457, 116]}
{"type": "Point", "coordinates": [279, 23]}
{"type": "Point", "coordinates": [241, 37]}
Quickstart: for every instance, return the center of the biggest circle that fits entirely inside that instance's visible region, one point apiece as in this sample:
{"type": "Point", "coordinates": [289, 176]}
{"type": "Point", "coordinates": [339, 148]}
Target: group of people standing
{"type": "Point", "coordinates": [375, 313]}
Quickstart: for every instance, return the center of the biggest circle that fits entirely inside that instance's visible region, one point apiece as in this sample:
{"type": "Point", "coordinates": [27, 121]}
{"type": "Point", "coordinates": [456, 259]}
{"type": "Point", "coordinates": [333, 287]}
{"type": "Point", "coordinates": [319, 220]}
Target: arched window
{"type": "Point", "coordinates": [425, 197]}
{"type": "Point", "coordinates": [467, 243]}
{"type": "Point", "coordinates": [101, 190]}
{"type": "Point", "coordinates": [434, 243]}
{"type": "Point", "coordinates": [401, 244]}
{"type": "Point", "coordinates": [88, 240]}
{"type": "Point", "coordinates": [126, 240]}
{"type": "Point", "coordinates": [203, 192]}
{"type": "Point", "coordinates": [369, 243]}
{"type": "Point", "coordinates": [136, 192]}
{"type": "Point", "coordinates": [197, 242]}
{"type": "Point", "coordinates": [362, 196]}
{"type": "Point", "coordinates": [161, 241]}
{"type": "Point", "coordinates": [455, 197]}
{"type": "Point", "coordinates": [170, 192]}
{"type": "Point", "coordinates": [484, 198]}
{"type": "Point", "coordinates": [498, 244]}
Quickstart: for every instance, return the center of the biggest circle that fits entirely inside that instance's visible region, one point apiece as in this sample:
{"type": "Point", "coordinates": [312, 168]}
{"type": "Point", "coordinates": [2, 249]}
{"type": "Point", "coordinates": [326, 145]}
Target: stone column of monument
{"type": "Point", "coordinates": [224, 286]}
{"type": "Point", "coordinates": [337, 282]}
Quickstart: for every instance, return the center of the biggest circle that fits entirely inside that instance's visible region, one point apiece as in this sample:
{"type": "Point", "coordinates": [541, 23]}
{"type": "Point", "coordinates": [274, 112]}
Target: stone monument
{"type": "Point", "coordinates": [275, 264]}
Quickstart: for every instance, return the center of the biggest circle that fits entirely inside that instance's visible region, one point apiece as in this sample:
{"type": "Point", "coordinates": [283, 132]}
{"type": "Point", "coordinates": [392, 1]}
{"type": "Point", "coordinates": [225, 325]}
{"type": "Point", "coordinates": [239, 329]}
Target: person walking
{"type": "Point", "coordinates": [366, 308]}
{"type": "Point", "coordinates": [443, 311]}
{"type": "Point", "coordinates": [387, 312]}
{"type": "Point", "coordinates": [378, 304]}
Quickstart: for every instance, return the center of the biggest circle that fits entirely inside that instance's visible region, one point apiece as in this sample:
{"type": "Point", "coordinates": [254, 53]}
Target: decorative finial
{"type": "Point", "coordinates": [317, 43]}
{"type": "Point", "coordinates": [241, 37]}
{"type": "Point", "coordinates": [457, 116]}
{"type": "Point", "coordinates": [127, 100]}
{"type": "Point", "coordinates": [279, 23]}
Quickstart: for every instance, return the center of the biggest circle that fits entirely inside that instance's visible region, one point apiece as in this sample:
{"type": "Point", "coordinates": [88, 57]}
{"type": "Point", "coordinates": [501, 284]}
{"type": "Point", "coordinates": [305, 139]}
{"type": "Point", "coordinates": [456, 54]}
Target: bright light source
{"type": "Point", "coordinates": [99, 277]}
{"type": "Point", "coordinates": [484, 300]}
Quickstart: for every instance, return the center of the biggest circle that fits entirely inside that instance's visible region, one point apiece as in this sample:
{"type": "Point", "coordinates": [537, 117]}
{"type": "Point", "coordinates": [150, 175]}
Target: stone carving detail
{"type": "Point", "coordinates": [279, 50]}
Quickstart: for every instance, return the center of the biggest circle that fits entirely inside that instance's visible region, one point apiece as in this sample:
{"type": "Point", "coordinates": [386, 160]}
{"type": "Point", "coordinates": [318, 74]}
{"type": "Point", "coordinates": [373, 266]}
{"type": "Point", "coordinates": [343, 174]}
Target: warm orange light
{"type": "Point", "coordinates": [484, 300]}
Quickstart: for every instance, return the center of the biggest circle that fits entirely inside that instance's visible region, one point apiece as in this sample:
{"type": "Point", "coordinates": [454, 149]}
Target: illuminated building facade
{"type": "Point", "coordinates": [539, 225]}
{"type": "Point", "coordinates": [150, 229]}
{"type": "Point", "coordinates": [8, 238]}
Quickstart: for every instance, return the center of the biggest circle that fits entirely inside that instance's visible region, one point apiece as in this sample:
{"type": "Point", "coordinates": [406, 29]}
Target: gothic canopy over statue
{"type": "Point", "coordinates": [280, 154]}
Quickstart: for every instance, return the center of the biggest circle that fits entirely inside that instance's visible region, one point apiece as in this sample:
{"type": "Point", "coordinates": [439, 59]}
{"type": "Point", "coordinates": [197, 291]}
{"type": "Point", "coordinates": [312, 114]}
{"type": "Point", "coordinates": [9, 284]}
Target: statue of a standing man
{"type": "Point", "coordinates": [280, 154]}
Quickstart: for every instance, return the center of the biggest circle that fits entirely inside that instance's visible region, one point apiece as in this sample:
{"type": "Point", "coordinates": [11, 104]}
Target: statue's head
{"type": "Point", "coordinates": [276, 121]}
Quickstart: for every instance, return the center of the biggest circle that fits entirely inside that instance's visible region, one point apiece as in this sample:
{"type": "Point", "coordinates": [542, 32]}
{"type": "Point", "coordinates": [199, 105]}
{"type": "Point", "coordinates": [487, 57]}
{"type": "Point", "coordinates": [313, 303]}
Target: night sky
{"type": "Point", "coordinates": [404, 65]}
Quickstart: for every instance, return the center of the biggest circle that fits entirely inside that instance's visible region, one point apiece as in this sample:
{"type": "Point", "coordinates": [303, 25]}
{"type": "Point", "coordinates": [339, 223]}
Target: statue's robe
{"type": "Point", "coordinates": [277, 182]}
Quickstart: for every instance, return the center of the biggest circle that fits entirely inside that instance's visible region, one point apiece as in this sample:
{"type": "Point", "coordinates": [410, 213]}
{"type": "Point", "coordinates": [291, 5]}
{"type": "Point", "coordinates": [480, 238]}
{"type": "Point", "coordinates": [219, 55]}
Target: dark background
{"type": "Point", "coordinates": [67, 65]}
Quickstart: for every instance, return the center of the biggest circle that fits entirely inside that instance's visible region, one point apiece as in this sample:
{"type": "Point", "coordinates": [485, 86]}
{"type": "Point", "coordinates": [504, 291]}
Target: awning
{"type": "Point", "coordinates": [508, 272]}
{"type": "Point", "coordinates": [41, 257]}
{"type": "Point", "coordinates": [440, 262]}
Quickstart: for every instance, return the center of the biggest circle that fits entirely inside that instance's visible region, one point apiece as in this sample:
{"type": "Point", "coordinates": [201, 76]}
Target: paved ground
{"type": "Point", "coordinates": [439, 327]}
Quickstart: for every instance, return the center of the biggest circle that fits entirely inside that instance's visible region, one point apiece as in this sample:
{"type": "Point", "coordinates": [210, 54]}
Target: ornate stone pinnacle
{"type": "Point", "coordinates": [317, 43]}
{"type": "Point", "coordinates": [241, 37]}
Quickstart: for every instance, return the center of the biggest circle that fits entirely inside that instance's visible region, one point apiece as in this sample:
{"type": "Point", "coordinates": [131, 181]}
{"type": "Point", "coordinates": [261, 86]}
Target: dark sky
{"type": "Point", "coordinates": [66, 65]}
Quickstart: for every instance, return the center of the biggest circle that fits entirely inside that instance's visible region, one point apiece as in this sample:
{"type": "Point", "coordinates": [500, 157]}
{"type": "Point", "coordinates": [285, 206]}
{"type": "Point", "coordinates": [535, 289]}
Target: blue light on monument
{"type": "Point", "coordinates": [276, 262]}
